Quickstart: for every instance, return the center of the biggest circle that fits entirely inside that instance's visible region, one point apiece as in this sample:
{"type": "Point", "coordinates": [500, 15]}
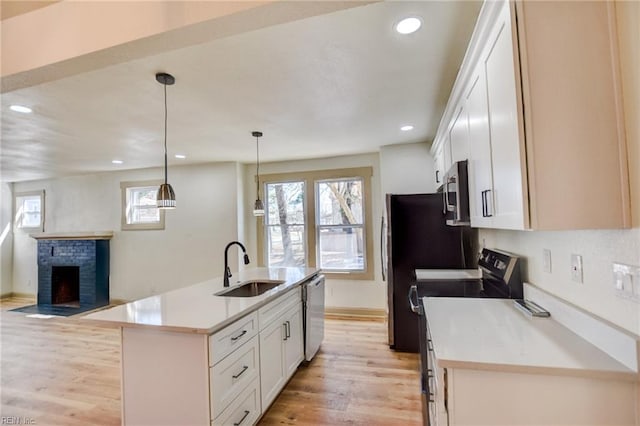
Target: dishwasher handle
{"type": "Point", "coordinates": [315, 282]}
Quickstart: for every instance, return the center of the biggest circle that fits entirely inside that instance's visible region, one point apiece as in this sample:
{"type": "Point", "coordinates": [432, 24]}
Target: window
{"type": "Point", "coordinates": [29, 210]}
{"type": "Point", "coordinates": [286, 234]}
{"type": "Point", "coordinates": [139, 209]}
{"type": "Point", "coordinates": [340, 225]}
{"type": "Point", "coordinates": [319, 218]}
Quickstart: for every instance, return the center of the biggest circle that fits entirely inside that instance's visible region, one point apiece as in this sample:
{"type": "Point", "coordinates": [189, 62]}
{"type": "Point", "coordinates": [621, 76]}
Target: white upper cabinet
{"type": "Point", "coordinates": [507, 194]}
{"type": "Point", "coordinates": [540, 91]}
{"type": "Point", "coordinates": [480, 170]}
{"type": "Point", "coordinates": [459, 136]}
{"type": "Point", "coordinates": [438, 160]}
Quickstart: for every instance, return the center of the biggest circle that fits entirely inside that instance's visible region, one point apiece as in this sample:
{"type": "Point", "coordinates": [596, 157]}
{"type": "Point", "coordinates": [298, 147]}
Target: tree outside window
{"type": "Point", "coordinates": [286, 235]}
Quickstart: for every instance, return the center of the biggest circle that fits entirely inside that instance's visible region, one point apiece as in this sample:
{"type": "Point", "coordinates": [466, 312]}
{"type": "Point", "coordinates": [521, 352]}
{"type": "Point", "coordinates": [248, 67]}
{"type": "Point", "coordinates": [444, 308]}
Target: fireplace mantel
{"type": "Point", "coordinates": [101, 235]}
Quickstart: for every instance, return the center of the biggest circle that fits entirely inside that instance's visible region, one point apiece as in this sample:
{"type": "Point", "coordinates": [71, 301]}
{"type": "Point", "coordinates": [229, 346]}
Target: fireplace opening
{"type": "Point", "coordinates": [65, 285]}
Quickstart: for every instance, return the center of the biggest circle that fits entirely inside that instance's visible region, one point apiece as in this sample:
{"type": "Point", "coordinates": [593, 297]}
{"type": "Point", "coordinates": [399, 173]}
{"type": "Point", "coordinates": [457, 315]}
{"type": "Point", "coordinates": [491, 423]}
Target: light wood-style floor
{"type": "Point", "coordinates": [63, 371]}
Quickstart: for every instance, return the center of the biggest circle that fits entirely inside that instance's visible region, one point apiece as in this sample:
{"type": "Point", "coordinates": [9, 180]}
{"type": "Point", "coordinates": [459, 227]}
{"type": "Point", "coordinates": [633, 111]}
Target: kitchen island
{"type": "Point", "coordinates": [192, 356]}
{"type": "Point", "coordinates": [490, 363]}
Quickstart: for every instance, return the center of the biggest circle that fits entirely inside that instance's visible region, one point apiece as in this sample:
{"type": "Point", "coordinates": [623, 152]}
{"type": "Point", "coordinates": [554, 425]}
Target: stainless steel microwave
{"type": "Point", "coordinates": [455, 194]}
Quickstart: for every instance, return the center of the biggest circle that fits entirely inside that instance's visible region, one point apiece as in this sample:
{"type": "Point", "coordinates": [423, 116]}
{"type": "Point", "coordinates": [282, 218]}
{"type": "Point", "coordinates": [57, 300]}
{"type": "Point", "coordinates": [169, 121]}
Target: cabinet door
{"type": "Point", "coordinates": [294, 347]}
{"type": "Point", "coordinates": [446, 152]}
{"type": "Point", "coordinates": [459, 135]}
{"type": "Point", "coordinates": [480, 173]}
{"type": "Point", "coordinates": [507, 144]}
{"type": "Point", "coordinates": [438, 162]}
{"type": "Point", "coordinates": [272, 372]}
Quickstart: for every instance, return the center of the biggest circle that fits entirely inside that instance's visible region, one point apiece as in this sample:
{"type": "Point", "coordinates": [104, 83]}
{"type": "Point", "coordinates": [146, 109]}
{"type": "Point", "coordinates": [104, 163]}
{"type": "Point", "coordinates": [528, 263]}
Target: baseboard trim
{"type": "Point", "coordinates": [20, 295]}
{"type": "Point", "coordinates": [372, 313]}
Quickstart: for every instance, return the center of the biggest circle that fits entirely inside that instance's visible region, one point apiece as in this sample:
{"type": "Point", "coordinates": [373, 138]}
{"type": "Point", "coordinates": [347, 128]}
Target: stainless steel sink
{"type": "Point", "coordinates": [250, 288]}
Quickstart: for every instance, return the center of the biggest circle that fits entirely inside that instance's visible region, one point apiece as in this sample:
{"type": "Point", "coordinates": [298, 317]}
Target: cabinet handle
{"type": "Point", "coordinates": [431, 397]}
{"type": "Point", "coordinates": [286, 335]}
{"type": "Point", "coordinates": [246, 413]}
{"type": "Point", "coordinates": [486, 198]}
{"type": "Point", "coordinates": [239, 335]}
{"type": "Point", "coordinates": [484, 204]}
{"type": "Point", "coordinates": [288, 329]}
{"type": "Point", "coordinates": [429, 345]}
{"type": "Point", "coordinates": [244, 368]}
{"type": "Point", "coordinates": [437, 176]}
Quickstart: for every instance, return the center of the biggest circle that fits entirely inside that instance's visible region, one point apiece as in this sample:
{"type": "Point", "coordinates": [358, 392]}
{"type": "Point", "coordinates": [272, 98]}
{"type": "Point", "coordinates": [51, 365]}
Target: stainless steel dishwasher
{"type": "Point", "coordinates": [313, 302]}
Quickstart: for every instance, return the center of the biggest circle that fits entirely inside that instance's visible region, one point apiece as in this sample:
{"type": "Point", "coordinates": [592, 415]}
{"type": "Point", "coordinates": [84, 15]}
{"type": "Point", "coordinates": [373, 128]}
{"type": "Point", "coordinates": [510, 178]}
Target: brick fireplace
{"type": "Point", "coordinates": [73, 270]}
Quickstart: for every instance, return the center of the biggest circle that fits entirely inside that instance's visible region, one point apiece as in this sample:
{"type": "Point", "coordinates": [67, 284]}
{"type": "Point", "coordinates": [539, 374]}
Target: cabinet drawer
{"type": "Point", "coordinates": [231, 375]}
{"type": "Point", "coordinates": [268, 313]}
{"type": "Point", "coordinates": [231, 337]}
{"type": "Point", "coordinates": [244, 410]}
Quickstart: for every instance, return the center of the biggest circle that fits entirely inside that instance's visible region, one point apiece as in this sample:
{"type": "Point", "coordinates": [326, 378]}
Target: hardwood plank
{"type": "Point", "coordinates": [62, 371]}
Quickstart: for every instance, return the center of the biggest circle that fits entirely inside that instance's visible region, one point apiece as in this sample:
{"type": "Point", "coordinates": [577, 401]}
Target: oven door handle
{"type": "Point", "coordinates": [415, 307]}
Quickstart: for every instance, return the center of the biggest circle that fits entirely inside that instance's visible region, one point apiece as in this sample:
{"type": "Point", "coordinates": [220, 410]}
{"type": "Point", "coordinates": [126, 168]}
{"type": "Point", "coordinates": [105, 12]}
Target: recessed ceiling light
{"type": "Point", "coordinates": [181, 156]}
{"type": "Point", "coordinates": [406, 128]}
{"type": "Point", "coordinates": [117, 161]}
{"type": "Point", "coordinates": [408, 25]}
{"type": "Point", "coordinates": [20, 108]}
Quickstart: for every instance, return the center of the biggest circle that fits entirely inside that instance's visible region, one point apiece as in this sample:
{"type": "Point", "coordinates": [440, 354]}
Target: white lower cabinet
{"type": "Point", "coordinates": [232, 375]}
{"type": "Point", "coordinates": [294, 345]}
{"type": "Point", "coordinates": [475, 397]}
{"type": "Point", "coordinates": [227, 378]}
{"type": "Point", "coordinates": [244, 410]}
{"type": "Point", "coordinates": [272, 373]}
{"type": "Point", "coordinates": [281, 351]}
{"type": "Point", "coordinates": [507, 397]}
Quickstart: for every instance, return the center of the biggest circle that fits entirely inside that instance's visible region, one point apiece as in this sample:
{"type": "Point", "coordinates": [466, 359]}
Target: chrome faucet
{"type": "Point", "coordinates": [227, 271]}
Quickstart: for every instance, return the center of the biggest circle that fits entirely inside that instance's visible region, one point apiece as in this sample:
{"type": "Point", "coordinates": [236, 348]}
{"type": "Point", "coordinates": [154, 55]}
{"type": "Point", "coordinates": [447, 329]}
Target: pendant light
{"type": "Point", "coordinates": [258, 207]}
{"type": "Point", "coordinates": [166, 198]}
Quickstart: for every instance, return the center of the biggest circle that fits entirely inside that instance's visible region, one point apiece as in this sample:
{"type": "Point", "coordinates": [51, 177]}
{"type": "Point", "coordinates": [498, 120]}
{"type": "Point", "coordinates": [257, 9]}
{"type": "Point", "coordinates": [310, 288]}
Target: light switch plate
{"type": "Point", "coordinates": [576, 268]}
{"type": "Point", "coordinates": [546, 260]}
{"type": "Point", "coordinates": [626, 281]}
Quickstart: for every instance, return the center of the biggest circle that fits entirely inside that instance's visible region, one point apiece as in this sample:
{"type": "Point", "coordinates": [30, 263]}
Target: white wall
{"type": "Point", "coordinates": [407, 169]}
{"type": "Point", "coordinates": [599, 248]}
{"type": "Point", "coordinates": [6, 238]}
{"type": "Point", "coordinates": [189, 250]}
{"type": "Point", "coordinates": [338, 293]}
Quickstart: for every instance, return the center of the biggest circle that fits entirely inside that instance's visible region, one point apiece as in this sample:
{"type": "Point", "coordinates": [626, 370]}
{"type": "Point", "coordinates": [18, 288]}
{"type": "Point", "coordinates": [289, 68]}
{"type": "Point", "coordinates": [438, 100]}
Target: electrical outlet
{"type": "Point", "coordinates": [626, 279]}
{"type": "Point", "coordinates": [546, 260]}
{"type": "Point", "coordinates": [576, 268]}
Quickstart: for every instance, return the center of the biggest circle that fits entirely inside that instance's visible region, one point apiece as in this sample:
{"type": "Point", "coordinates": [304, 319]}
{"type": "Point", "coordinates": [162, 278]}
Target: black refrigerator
{"type": "Point", "coordinates": [417, 237]}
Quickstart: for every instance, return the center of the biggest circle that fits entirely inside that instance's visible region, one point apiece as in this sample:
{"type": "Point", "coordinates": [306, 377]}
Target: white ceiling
{"type": "Point", "coordinates": [340, 83]}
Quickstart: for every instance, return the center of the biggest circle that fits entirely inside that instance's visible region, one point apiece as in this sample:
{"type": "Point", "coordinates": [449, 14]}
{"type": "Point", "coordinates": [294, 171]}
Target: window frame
{"type": "Point", "coordinates": [16, 225]}
{"type": "Point", "coordinates": [154, 226]}
{"type": "Point", "coordinates": [310, 178]}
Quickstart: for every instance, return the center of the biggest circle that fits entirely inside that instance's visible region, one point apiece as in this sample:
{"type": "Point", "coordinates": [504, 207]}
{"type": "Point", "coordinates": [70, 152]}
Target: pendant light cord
{"type": "Point", "coordinates": [165, 133]}
{"type": "Point", "coordinates": [257, 169]}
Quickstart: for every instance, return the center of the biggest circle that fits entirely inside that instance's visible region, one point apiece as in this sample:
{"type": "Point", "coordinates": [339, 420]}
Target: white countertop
{"type": "Point", "coordinates": [196, 308]}
{"type": "Point", "coordinates": [492, 334]}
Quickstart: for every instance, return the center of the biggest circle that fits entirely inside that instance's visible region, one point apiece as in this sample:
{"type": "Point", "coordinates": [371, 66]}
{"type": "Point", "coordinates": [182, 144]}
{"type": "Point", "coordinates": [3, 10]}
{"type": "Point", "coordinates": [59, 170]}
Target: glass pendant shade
{"type": "Point", "coordinates": [166, 197]}
{"type": "Point", "coordinates": [258, 208]}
